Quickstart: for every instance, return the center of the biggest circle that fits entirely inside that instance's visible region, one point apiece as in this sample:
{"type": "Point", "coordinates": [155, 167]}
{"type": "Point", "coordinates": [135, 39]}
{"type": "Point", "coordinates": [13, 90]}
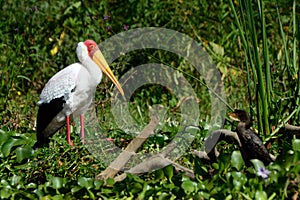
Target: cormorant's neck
{"type": "Point", "coordinates": [248, 124]}
{"type": "Point", "coordinates": [242, 126]}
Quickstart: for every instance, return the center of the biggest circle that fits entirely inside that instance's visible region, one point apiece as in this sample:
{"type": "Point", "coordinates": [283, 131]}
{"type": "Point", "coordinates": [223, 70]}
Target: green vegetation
{"type": "Point", "coordinates": [255, 45]}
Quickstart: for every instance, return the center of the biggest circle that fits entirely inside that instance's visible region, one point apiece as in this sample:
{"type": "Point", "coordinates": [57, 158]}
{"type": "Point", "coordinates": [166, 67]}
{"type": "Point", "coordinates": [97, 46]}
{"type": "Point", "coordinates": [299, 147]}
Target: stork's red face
{"type": "Point", "coordinates": [91, 46]}
{"type": "Point", "coordinates": [96, 55]}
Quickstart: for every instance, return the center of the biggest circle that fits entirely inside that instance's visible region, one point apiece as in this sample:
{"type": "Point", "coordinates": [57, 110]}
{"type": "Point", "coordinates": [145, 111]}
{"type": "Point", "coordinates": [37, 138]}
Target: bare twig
{"type": "Point", "coordinates": [290, 129]}
{"type": "Point", "coordinates": [130, 150]}
{"type": "Point", "coordinates": [157, 162]}
{"type": "Point", "coordinates": [209, 147]}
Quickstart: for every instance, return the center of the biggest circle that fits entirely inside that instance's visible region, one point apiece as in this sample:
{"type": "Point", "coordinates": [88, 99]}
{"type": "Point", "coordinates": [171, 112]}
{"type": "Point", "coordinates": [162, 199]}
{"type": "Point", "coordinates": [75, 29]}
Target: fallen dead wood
{"type": "Point", "coordinates": [209, 149]}
{"type": "Point", "coordinates": [290, 129]}
{"type": "Point", "coordinates": [130, 150]}
{"type": "Point", "coordinates": [155, 162]}
{"type": "Point", "coordinates": [157, 113]}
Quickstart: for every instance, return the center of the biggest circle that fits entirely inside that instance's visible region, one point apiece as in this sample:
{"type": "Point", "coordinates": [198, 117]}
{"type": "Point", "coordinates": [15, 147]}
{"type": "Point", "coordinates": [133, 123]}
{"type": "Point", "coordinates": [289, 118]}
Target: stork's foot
{"type": "Point", "coordinates": [70, 143]}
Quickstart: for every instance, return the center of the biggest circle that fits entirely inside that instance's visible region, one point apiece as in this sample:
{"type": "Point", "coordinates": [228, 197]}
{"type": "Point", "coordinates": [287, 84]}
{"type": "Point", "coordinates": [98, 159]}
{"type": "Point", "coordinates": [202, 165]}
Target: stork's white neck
{"type": "Point", "coordinates": [94, 71]}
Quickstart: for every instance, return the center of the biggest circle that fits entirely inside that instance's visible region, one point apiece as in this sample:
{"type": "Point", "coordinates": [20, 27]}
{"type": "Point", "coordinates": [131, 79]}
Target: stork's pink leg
{"type": "Point", "coordinates": [68, 131]}
{"type": "Point", "coordinates": [82, 127]}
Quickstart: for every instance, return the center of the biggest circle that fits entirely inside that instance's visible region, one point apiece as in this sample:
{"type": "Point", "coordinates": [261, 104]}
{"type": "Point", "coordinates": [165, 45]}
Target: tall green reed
{"type": "Point", "coordinates": [250, 17]}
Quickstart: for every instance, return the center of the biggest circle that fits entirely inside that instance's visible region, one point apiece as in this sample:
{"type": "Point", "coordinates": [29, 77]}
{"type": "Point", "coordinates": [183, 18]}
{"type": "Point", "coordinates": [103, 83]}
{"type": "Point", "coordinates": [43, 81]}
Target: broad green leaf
{"type": "Point", "coordinates": [23, 153]}
{"type": "Point", "coordinates": [15, 180]}
{"type": "Point", "coordinates": [239, 179]}
{"type": "Point", "coordinates": [159, 174]}
{"type": "Point", "coordinates": [110, 181]}
{"type": "Point", "coordinates": [3, 137]}
{"type": "Point", "coordinates": [237, 160]}
{"type": "Point", "coordinates": [87, 183]}
{"type": "Point", "coordinates": [98, 184]}
{"type": "Point", "coordinates": [229, 197]}
{"type": "Point", "coordinates": [296, 144]}
{"type": "Point", "coordinates": [5, 193]}
{"type": "Point", "coordinates": [237, 184]}
{"type": "Point", "coordinates": [261, 195]}
{"type": "Point", "coordinates": [91, 194]}
{"type": "Point", "coordinates": [168, 170]}
{"type": "Point", "coordinates": [237, 175]}
{"type": "Point", "coordinates": [10, 143]}
{"type": "Point", "coordinates": [257, 164]}
{"type": "Point", "coordinates": [4, 183]}
{"type": "Point", "coordinates": [31, 185]}
{"type": "Point", "coordinates": [188, 186]}
{"type": "Point", "coordinates": [136, 187]}
{"type": "Point", "coordinates": [57, 182]}
{"type": "Point", "coordinates": [76, 189]}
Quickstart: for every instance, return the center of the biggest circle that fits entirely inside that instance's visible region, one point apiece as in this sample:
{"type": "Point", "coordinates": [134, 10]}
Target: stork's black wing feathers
{"type": "Point", "coordinates": [46, 113]}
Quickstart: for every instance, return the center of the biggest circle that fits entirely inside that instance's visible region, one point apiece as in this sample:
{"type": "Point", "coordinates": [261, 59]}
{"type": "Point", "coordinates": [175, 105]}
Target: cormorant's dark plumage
{"type": "Point", "coordinates": [252, 145]}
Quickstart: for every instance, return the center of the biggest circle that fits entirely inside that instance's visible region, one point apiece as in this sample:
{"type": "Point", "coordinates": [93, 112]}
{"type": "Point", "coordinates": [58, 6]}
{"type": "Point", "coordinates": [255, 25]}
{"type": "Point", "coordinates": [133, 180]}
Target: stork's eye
{"type": "Point", "coordinates": [92, 47]}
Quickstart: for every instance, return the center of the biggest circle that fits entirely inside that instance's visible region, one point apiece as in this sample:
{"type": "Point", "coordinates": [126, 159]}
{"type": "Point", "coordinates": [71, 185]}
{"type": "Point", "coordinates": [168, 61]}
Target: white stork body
{"type": "Point", "coordinates": [69, 93]}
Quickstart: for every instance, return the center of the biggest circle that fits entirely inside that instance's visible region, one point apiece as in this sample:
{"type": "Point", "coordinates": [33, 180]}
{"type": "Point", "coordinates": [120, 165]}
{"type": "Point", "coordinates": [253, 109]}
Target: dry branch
{"type": "Point", "coordinates": [155, 162]}
{"type": "Point", "coordinates": [290, 129]}
{"type": "Point", "coordinates": [130, 150]}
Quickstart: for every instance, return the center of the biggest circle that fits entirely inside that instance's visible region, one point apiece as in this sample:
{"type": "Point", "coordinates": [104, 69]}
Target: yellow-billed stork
{"type": "Point", "coordinates": [69, 93]}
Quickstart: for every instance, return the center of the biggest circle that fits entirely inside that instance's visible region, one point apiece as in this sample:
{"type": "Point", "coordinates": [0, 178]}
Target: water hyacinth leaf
{"type": "Point", "coordinates": [15, 180]}
{"type": "Point", "coordinates": [91, 194]}
{"type": "Point", "coordinates": [239, 179]}
{"type": "Point", "coordinates": [10, 143]}
{"type": "Point", "coordinates": [237, 184]}
{"type": "Point", "coordinates": [5, 193]}
{"type": "Point", "coordinates": [229, 197]}
{"type": "Point", "coordinates": [261, 195]}
{"type": "Point", "coordinates": [110, 181]}
{"type": "Point", "coordinates": [136, 187]}
{"type": "Point", "coordinates": [188, 186]}
{"type": "Point", "coordinates": [257, 164]}
{"type": "Point", "coordinates": [31, 185]}
{"type": "Point", "coordinates": [75, 189]}
{"type": "Point", "coordinates": [3, 137]}
{"type": "Point", "coordinates": [168, 170]}
{"type": "Point", "coordinates": [296, 144]}
{"type": "Point", "coordinates": [159, 174]}
{"type": "Point", "coordinates": [237, 160]}
{"type": "Point", "coordinates": [204, 195]}
{"type": "Point", "coordinates": [23, 153]}
{"type": "Point", "coordinates": [237, 175]}
{"type": "Point", "coordinates": [98, 184]}
{"type": "Point", "coordinates": [86, 182]}
{"type": "Point", "coordinates": [57, 182]}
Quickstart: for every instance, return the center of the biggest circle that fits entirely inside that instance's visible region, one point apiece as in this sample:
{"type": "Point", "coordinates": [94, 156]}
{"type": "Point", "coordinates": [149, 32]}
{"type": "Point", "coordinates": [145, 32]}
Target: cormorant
{"type": "Point", "coordinates": [252, 146]}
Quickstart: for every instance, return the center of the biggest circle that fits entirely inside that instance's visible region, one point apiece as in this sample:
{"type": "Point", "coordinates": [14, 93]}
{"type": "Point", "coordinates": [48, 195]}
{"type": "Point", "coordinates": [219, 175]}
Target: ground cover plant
{"type": "Point", "coordinates": [255, 46]}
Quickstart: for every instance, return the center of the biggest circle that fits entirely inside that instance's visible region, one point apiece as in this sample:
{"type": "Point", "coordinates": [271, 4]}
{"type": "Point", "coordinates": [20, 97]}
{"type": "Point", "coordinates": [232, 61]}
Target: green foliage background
{"type": "Point", "coordinates": [31, 31]}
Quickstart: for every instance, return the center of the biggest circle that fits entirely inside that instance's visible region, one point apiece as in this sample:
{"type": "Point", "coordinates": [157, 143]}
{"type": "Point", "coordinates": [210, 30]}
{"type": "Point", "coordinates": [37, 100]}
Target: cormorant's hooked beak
{"type": "Point", "coordinates": [239, 116]}
{"type": "Point", "coordinates": [234, 116]}
{"type": "Point", "coordinates": [99, 59]}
